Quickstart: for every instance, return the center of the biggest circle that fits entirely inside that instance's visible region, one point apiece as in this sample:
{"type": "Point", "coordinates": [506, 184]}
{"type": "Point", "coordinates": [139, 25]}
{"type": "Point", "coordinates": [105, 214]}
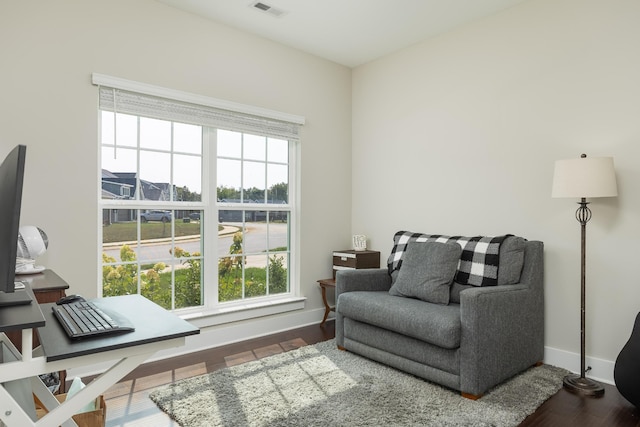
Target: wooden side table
{"type": "Point", "coordinates": [348, 259]}
{"type": "Point", "coordinates": [324, 284]}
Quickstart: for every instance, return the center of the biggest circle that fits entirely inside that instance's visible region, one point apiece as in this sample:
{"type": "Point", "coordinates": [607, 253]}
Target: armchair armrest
{"type": "Point", "coordinates": [503, 326]}
{"type": "Point", "coordinates": [370, 279]}
{"type": "Point", "coordinates": [502, 334]}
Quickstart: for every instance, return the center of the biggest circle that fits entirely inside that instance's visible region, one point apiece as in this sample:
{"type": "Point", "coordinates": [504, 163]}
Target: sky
{"type": "Point", "coordinates": [265, 158]}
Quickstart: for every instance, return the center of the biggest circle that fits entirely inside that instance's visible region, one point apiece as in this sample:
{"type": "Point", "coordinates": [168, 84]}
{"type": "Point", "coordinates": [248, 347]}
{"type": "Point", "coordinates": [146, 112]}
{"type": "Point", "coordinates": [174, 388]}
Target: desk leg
{"type": "Point", "coordinates": [12, 413]}
{"type": "Point", "coordinates": [16, 399]}
{"type": "Point", "coordinates": [59, 413]}
{"type": "Point", "coordinates": [27, 344]}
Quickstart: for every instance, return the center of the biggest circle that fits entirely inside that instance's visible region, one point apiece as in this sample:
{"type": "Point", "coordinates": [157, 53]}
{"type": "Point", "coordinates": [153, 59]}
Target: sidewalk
{"type": "Point", "coordinates": [226, 230]}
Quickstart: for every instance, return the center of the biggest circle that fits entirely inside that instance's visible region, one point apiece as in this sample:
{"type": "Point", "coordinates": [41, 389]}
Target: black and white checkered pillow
{"type": "Point", "coordinates": [478, 265]}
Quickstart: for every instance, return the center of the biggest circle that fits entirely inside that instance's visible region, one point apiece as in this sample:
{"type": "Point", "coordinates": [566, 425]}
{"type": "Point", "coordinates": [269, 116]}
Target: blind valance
{"type": "Point", "coordinates": [193, 109]}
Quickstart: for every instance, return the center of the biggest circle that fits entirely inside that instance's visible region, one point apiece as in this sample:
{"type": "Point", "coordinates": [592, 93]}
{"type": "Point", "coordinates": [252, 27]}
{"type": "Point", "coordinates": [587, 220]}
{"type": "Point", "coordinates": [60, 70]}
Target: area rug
{"type": "Point", "coordinates": [319, 385]}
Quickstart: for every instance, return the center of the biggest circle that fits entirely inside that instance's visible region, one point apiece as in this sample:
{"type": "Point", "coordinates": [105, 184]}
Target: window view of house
{"type": "Point", "coordinates": [179, 238]}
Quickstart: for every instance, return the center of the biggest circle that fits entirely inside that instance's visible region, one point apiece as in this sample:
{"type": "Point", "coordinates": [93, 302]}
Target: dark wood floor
{"type": "Point", "coordinates": [567, 409]}
{"type": "Point", "coordinates": [128, 403]}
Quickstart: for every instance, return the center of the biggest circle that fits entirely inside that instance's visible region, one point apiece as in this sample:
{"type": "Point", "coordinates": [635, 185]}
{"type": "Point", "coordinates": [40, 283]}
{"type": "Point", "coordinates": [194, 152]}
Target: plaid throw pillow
{"type": "Point", "coordinates": [479, 261]}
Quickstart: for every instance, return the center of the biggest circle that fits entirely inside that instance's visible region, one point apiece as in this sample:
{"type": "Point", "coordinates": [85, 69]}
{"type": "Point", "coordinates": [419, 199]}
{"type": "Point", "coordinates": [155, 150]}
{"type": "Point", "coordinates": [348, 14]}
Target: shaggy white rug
{"type": "Point", "coordinates": [319, 385]}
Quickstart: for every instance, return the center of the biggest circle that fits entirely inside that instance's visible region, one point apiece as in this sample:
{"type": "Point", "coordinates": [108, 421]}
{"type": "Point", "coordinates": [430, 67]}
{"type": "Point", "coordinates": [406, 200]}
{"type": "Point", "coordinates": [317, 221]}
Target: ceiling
{"type": "Point", "coordinates": [349, 32]}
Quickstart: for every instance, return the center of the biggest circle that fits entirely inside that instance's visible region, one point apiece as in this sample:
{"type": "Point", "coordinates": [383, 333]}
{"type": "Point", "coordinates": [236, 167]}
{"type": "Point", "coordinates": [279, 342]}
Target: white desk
{"type": "Point", "coordinates": [156, 329]}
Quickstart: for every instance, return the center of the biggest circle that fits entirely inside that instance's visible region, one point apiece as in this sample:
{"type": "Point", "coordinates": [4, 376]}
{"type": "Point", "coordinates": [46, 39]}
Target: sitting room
{"type": "Point", "coordinates": [367, 118]}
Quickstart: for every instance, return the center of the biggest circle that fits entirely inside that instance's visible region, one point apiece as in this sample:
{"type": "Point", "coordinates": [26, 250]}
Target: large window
{"type": "Point", "coordinates": [197, 203]}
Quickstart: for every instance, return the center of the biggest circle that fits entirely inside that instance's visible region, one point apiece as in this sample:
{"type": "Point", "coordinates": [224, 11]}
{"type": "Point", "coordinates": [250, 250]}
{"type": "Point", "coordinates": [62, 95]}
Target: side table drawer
{"type": "Point", "coordinates": [351, 259]}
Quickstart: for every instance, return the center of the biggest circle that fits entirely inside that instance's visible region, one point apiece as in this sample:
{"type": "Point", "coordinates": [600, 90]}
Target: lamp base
{"type": "Point", "coordinates": [584, 386]}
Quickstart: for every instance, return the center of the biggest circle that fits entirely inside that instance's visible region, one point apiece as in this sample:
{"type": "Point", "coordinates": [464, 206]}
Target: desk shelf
{"type": "Point", "coordinates": [47, 287]}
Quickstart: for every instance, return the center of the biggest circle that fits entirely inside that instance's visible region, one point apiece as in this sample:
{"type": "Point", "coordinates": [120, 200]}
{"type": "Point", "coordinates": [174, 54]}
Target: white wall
{"type": "Point", "coordinates": [48, 52]}
{"type": "Point", "coordinates": [459, 134]}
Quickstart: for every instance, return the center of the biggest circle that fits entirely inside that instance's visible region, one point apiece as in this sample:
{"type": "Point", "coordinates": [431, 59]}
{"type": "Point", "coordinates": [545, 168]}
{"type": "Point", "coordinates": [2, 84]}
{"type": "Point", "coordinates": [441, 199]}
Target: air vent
{"type": "Point", "coordinates": [266, 8]}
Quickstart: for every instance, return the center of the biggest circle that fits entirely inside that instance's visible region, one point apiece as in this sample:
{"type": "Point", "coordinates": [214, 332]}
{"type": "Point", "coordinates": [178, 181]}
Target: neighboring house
{"type": "Point", "coordinates": [122, 185]}
{"type": "Point", "coordinates": [115, 187]}
{"type": "Point", "coordinates": [250, 215]}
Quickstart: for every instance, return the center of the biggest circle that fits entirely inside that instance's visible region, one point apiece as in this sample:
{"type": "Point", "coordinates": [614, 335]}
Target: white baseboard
{"type": "Point", "coordinates": [601, 370]}
{"type": "Point", "coordinates": [222, 335]}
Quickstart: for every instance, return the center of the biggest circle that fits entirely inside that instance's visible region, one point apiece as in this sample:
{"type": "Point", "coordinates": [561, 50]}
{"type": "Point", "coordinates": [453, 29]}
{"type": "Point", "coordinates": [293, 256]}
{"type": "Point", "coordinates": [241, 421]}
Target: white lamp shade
{"type": "Point", "coordinates": [586, 177]}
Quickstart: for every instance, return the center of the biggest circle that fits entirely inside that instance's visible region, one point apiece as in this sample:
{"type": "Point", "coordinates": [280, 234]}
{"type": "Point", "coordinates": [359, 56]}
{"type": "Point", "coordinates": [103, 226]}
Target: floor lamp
{"type": "Point", "coordinates": [584, 178]}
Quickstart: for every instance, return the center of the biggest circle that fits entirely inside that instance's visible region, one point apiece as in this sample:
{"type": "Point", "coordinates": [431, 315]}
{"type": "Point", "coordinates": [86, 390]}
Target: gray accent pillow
{"type": "Point", "coordinates": [427, 271]}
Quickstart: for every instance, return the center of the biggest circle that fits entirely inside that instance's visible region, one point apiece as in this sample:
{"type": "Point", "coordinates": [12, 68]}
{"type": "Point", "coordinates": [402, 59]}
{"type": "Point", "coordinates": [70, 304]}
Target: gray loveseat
{"type": "Point", "coordinates": [475, 338]}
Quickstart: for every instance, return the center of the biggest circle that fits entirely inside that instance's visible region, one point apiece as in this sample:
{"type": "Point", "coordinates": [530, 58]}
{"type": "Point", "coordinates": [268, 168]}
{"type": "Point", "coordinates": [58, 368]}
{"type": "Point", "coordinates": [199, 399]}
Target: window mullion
{"type": "Point", "coordinates": [138, 183]}
{"type": "Point", "coordinates": [172, 196]}
{"type": "Point", "coordinates": [209, 192]}
{"type": "Point", "coordinates": [265, 198]}
{"type": "Point", "coordinates": [242, 193]}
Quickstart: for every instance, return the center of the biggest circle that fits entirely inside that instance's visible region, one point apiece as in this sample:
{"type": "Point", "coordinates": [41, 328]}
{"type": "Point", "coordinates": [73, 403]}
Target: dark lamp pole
{"type": "Point", "coordinates": [582, 178]}
{"type": "Point", "coordinates": [580, 384]}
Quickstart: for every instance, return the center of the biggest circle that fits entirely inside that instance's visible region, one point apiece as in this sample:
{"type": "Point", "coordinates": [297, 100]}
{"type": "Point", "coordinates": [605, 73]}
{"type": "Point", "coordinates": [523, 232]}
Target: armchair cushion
{"type": "Point", "coordinates": [427, 271]}
{"type": "Point", "coordinates": [439, 325]}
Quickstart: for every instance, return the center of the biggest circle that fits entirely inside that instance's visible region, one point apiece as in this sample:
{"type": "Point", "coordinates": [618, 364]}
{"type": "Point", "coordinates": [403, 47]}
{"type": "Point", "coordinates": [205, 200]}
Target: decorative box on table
{"type": "Point", "coordinates": [350, 259]}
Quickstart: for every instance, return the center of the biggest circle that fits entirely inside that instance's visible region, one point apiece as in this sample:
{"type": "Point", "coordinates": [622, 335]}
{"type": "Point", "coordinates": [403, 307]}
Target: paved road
{"type": "Point", "coordinates": [255, 241]}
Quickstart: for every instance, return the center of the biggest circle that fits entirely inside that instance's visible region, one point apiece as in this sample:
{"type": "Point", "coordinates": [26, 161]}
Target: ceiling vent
{"type": "Point", "coordinates": [266, 8]}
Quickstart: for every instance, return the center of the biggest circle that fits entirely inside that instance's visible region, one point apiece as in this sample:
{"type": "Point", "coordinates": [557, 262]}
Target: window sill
{"type": "Point", "coordinates": [250, 310]}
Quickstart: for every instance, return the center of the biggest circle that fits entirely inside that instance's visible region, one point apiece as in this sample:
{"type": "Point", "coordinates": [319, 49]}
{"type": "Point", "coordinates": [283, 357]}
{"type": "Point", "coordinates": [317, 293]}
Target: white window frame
{"type": "Point", "coordinates": [213, 311]}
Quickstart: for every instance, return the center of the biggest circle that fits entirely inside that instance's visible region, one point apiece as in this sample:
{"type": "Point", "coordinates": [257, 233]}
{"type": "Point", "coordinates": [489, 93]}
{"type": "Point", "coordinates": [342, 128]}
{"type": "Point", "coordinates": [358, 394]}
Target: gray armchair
{"type": "Point", "coordinates": [493, 333]}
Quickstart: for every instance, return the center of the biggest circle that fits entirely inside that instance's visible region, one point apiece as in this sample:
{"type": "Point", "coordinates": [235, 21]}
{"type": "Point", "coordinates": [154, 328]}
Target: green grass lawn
{"type": "Point", "coordinates": [126, 231]}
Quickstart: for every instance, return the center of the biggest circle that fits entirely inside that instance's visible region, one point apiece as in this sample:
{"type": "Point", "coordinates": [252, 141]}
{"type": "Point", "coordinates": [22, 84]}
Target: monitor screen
{"type": "Point", "coordinates": [11, 179]}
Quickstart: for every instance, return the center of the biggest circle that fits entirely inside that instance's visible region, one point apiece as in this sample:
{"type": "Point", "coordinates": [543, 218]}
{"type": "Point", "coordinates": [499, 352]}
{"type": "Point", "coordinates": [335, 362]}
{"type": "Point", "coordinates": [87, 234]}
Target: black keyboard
{"type": "Point", "coordinates": [82, 319]}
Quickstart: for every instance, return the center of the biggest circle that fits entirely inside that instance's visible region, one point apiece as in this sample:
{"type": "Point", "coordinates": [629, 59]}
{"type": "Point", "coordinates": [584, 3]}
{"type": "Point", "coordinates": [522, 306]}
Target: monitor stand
{"type": "Point", "coordinates": [19, 297]}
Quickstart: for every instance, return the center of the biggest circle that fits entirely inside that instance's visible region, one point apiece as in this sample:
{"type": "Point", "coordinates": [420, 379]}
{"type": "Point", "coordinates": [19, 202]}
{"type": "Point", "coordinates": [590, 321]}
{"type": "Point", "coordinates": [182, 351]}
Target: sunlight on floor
{"type": "Point", "coordinates": [128, 402]}
{"type": "Point", "coordinates": [284, 385]}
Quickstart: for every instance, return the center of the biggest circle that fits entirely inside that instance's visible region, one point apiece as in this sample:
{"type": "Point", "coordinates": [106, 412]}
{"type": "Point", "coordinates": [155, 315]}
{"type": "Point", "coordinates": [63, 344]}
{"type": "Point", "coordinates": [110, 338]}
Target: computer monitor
{"type": "Point", "coordinates": [11, 180]}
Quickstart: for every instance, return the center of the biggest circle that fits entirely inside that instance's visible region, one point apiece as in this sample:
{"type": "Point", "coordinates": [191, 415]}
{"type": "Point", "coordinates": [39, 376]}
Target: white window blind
{"type": "Point", "coordinates": [134, 98]}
